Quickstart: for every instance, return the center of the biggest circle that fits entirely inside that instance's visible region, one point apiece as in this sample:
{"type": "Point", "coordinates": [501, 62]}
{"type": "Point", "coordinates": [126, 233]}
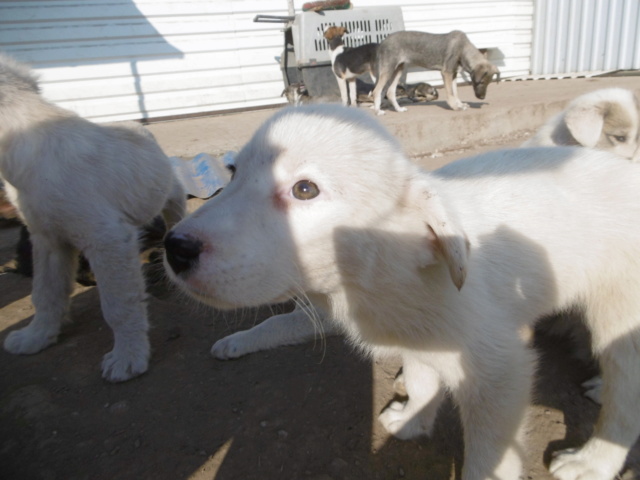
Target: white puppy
{"type": "Point", "coordinates": [444, 269]}
{"type": "Point", "coordinates": [607, 119]}
{"type": "Point", "coordinates": [82, 187]}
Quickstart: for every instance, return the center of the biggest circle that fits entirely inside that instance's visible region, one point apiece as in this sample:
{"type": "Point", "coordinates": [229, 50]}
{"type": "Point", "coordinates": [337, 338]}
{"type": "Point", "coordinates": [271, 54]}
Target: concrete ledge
{"type": "Point", "coordinates": [509, 107]}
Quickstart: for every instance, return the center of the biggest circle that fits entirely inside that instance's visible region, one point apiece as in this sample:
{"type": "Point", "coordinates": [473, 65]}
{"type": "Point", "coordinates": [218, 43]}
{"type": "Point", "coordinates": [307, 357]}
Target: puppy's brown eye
{"type": "Point", "coordinates": [620, 138]}
{"type": "Point", "coordinates": [305, 190]}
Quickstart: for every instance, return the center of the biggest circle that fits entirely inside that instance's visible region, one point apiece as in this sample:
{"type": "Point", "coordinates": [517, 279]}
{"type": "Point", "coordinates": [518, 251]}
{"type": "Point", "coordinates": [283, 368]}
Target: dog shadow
{"type": "Point", "coordinates": [580, 414]}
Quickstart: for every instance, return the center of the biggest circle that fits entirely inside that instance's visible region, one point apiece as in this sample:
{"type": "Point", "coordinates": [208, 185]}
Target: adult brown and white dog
{"type": "Point", "coordinates": [606, 119]}
{"type": "Point", "coordinates": [349, 63]}
{"type": "Point", "coordinates": [82, 187]}
{"type": "Point", "coordinates": [445, 52]}
{"type": "Point", "coordinates": [444, 269]}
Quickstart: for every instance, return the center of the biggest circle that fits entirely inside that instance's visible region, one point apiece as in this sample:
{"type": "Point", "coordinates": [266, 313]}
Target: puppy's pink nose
{"type": "Point", "coordinates": [182, 252]}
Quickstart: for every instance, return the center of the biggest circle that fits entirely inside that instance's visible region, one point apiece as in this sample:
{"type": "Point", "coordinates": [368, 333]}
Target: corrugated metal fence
{"type": "Point", "coordinates": [132, 59]}
{"type": "Point", "coordinates": [578, 36]}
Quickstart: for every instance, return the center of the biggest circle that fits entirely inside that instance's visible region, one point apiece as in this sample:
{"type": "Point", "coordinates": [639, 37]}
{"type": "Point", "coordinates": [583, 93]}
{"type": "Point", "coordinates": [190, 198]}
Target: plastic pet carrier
{"type": "Point", "coordinates": [306, 57]}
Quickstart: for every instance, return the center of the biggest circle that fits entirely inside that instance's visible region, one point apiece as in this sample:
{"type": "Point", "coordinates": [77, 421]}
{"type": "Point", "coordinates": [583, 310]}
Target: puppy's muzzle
{"type": "Point", "coordinates": [182, 252]}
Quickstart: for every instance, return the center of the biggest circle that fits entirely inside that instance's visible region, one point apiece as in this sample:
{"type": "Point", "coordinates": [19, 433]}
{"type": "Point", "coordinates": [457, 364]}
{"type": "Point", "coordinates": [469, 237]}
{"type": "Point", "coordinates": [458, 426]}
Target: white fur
{"type": "Point", "coordinates": [607, 119]}
{"type": "Point", "coordinates": [82, 187]}
{"type": "Point", "coordinates": [444, 269]}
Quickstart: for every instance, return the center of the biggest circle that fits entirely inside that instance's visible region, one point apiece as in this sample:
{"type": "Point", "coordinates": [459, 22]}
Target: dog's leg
{"type": "Point", "coordinates": [616, 343]}
{"type": "Point", "coordinates": [493, 395]}
{"type": "Point", "coordinates": [450, 86]}
{"type": "Point", "coordinates": [54, 270]}
{"type": "Point", "coordinates": [415, 417]}
{"type": "Point", "coordinates": [342, 84]}
{"type": "Point", "coordinates": [353, 94]}
{"type": "Point", "coordinates": [391, 91]}
{"type": "Point", "coordinates": [383, 78]}
{"type": "Point", "coordinates": [115, 263]}
{"type": "Point", "coordinates": [373, 78]}
{"type": "Point", "coordinates": [290, 328]}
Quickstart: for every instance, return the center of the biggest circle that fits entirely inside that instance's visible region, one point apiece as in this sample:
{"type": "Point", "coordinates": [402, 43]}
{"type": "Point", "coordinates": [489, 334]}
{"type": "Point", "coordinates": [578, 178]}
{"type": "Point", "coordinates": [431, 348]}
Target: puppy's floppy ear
{"type": "Point", "coordinates": [585, 123]}
{"type": "Point", "coordinates": [446, 240]}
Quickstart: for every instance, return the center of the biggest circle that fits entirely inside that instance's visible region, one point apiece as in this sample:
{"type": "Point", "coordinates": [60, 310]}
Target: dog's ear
{"type": "Point", "coordinates": [585, 123]}
{"type": "Point", "coordinates": [446, 240]}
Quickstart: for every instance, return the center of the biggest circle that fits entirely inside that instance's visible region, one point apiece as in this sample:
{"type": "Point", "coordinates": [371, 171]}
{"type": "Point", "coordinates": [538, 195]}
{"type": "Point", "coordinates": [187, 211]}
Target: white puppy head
{"type": "Point", "coordinates": [607, 119]}
{"type": "Point", "coordinates": [306, 174]}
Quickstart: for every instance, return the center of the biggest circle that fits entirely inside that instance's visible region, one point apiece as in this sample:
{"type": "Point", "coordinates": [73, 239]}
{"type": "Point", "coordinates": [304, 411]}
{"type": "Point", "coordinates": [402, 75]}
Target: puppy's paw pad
{"type": "Point", "coordinates": [117, 367]}
{"type": "Point", "coordinates": [27, 341]}
{"type": "Point", "coordinates": [571, 465]}
{"type": "Point", "coordinates": [229, 347]}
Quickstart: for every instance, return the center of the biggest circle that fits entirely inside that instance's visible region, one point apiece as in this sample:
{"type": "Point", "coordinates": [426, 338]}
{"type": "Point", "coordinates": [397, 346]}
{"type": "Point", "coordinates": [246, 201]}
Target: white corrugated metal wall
{"type": "Point", "coordinates": [577, 36]}
{"type": "Point", "coordinates": [125, 59]}
{"type": "Point", "coordinates": [131, 59]}
{"type": "Point", "coordinates": [505, 27]}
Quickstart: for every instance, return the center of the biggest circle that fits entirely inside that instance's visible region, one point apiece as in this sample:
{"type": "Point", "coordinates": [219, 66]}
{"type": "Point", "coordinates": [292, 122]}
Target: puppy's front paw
{"type": "Point", "coordinates": [400, 423]}
{"type": "Point", "coordinates": [30, 339]}
{"type": "Point", "coordinates": [572, 464]}
{"type": "Point", "coordinates": [459, 106]}
{"type": "Point", "coordinates": [126, 360]}
{"type": "Point", "coordinates": [401, 109]}
{"type": "Point", "coordinates": [231, 346]}
{"type": "Point", "coordinates": [380, 112]}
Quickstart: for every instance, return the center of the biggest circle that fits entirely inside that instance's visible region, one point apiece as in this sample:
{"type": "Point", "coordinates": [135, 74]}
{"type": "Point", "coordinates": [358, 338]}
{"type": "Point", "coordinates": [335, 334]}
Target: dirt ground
{"type": "Point", "coordinates": [302, 412]}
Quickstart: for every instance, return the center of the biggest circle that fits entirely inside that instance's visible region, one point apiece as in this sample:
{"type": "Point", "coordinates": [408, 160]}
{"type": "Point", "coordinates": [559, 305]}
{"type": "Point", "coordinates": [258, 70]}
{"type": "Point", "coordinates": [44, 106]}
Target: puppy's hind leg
{"type": "Point", "coordinates": [616, 342]}
{"type": "Point", "coordinates": [493, 397]}
{"type": "Point", "coordinates": [114, 260]}
{"type": "Point", "coordinates": [391, 91]}
{"type": "Point", "coordinates": [415, 417]}
{"type": "Point", "coordinates": [55, 265]}
{"type": "Point", "coordinates": [378, 90]}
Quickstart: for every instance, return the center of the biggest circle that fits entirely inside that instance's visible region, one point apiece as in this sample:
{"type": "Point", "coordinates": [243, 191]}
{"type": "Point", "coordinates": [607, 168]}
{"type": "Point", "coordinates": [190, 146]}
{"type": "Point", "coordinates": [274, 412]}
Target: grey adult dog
{"type": "Point", "coordinates": [445, 52]}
